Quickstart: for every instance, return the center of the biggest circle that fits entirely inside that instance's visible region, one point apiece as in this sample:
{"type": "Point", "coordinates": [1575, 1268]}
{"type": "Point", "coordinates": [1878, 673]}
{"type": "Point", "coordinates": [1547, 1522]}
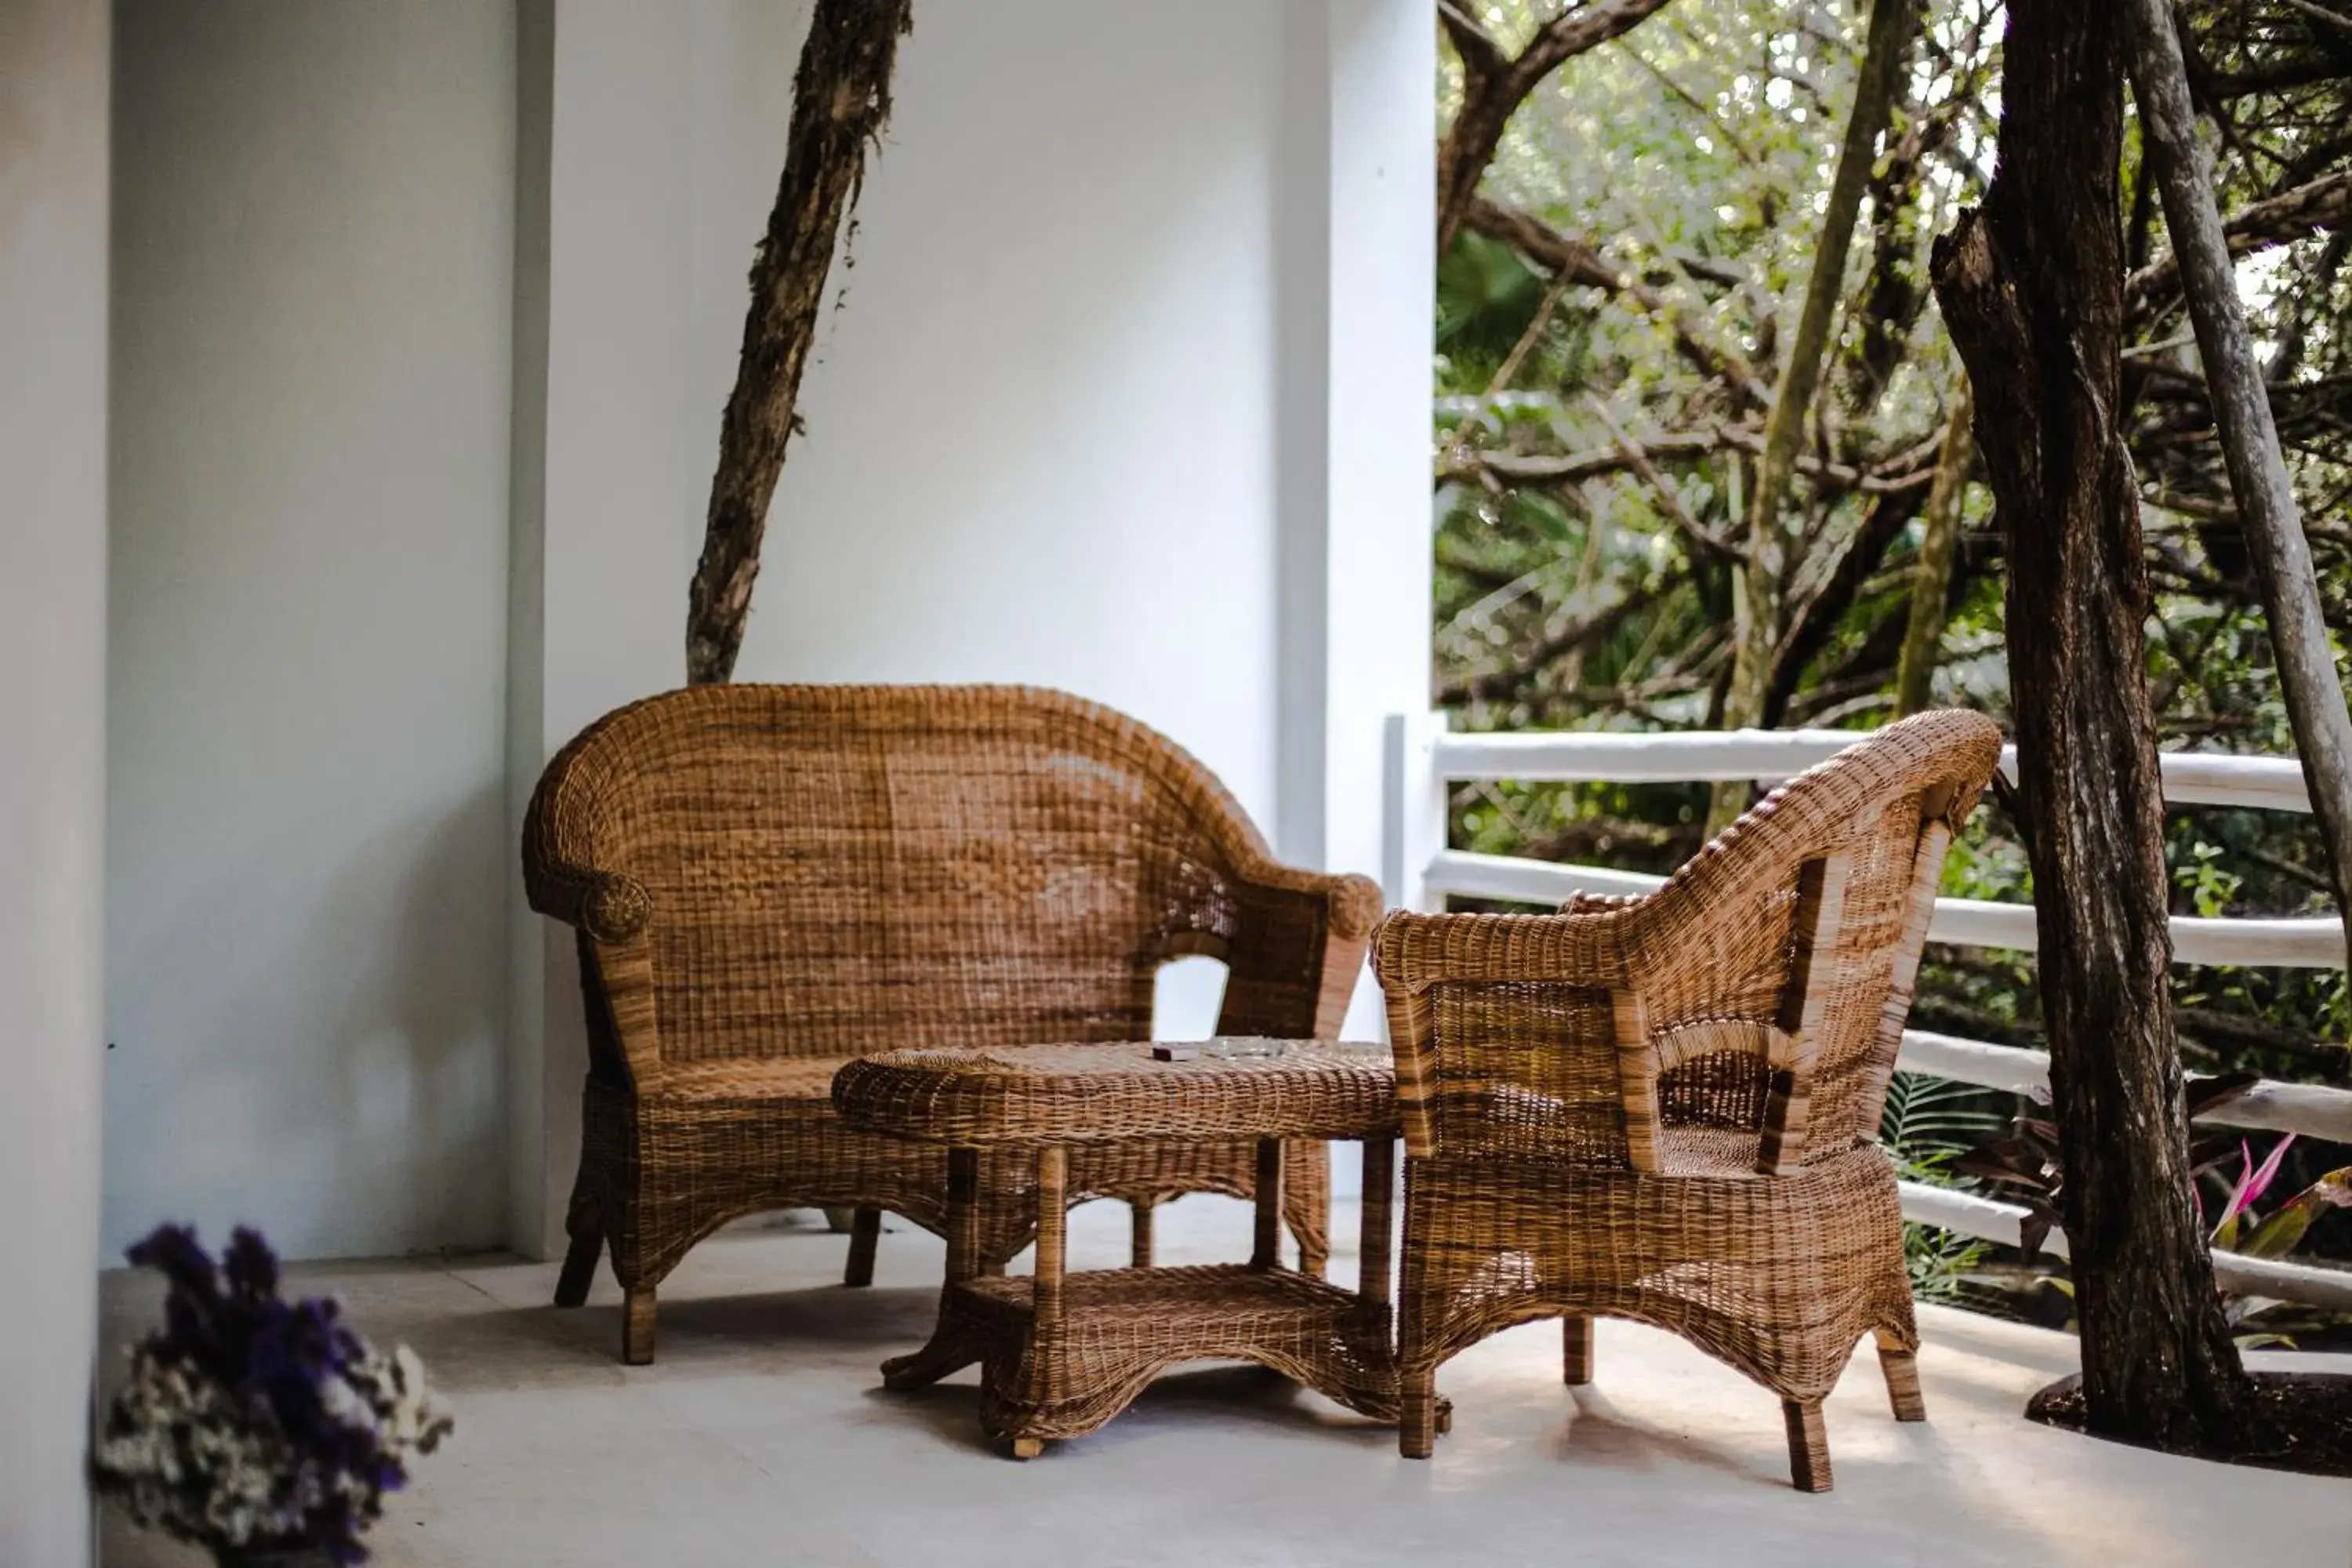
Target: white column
{"type": "Point", "coordinates": [54, 75]}
{"type": "Point", "coordinates": [612, 441]}
{"type": "Point", "coordinates": [1361, 282]}
{"type": "Point", "coordinates": [1383, 295]}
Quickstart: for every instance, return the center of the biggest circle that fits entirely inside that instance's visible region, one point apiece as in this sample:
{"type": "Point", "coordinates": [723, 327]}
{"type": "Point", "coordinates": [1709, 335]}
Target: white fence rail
{"type": "Point", "coordinates": [1422, 873]}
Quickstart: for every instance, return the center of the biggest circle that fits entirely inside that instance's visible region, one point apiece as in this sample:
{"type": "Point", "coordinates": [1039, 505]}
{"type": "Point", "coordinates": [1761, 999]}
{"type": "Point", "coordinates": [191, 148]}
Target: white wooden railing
{"type": "Point", "coordinates": [1422, 873]}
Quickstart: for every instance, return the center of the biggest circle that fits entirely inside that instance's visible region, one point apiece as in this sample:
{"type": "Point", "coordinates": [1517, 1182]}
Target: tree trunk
{"type": "Point", "coordinates": [1923, 636]}
{"type": "Point", "coordinates": [2250, 444]}
{"type": "Point", "coordinates": [2032, 288]}
{"type": "Point", "coordinates": [840, 100]}
{"type": "Point", "coordinates": [1760, 585]}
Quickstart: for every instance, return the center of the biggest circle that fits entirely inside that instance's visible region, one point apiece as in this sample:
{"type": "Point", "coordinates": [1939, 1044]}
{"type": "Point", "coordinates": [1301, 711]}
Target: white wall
{"type": "Point", "coordinates": [307, 852]}
{"type": "Point", "coordinates": [426, 315]}
{"type": "Point", "coordinates": [53, 225]}
{"type": "Point", "coordinates": [1072, 423]}
{"type": "Point", "coordinates": [1041, 436]}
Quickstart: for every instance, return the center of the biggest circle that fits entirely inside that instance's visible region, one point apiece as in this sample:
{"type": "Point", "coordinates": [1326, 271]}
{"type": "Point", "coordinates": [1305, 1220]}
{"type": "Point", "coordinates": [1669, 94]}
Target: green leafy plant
{"type": "Point", "coordinates": [2026, 1166]}
{"type": "Point", "coordinates": [2245, 1230]}
{"type": "Point", "coordinates": [1929, 1124]}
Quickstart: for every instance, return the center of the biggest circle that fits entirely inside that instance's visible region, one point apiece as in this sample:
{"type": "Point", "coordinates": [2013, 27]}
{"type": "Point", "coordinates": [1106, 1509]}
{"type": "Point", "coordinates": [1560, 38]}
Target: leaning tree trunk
{"type": "Point", "coordinates": [1761, 584]}
{"type": "Point", "coordinates": [1940, 542]}
{"type": "Point", "coordinates": [840, 100]}
{"type": "Point", "coordinates": [2250, 444]}
{"type": "Point", "coordinates": [2032, 288]}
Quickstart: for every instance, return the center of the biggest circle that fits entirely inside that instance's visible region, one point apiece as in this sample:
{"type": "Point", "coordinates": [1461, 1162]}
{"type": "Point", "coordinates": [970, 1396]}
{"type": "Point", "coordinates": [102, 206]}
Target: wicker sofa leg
{"type": "Point", "coordinates": [1809, 1444]}
{"type": "Point", "coordinates": [1901, 1368]}
{"type": "Point", "coordinates": [865, 1235]}
{"type": "Point", "coordinates": [1417, 1422]}
{"type": "Point", "coordinates": [580, 1263]}
{"type": "Point", "coordinates": [1576, 1349]}
{"type": "Point", "coordinates": [637, 1325]}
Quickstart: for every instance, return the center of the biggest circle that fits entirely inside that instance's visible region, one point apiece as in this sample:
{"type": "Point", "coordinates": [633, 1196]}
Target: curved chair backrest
{"type": "Point", "coordinates": [1776, 962]}
{"type": "Point", "coordinates": [831, 870]}
{"type": "Point", "coordinates": [1809, 914]}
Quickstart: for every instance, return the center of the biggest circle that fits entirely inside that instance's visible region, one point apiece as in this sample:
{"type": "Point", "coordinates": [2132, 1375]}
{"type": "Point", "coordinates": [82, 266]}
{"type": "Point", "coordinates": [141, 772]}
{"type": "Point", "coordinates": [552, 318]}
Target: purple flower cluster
{"type": "Point", "coordinates": [239, 1381]}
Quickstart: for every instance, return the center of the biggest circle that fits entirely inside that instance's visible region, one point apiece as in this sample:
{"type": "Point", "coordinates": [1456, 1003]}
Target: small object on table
{"type": "Point", "coordinates": [1062, 1353]}
{"type": "Point", "coordinates": [1238, 1049]}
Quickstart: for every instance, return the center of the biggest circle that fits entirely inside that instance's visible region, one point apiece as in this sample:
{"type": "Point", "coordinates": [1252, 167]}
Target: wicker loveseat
{"type": "Point", "coordinates": [770, 880]}
{"type": "Point", "coordinates": [1666, 1108]}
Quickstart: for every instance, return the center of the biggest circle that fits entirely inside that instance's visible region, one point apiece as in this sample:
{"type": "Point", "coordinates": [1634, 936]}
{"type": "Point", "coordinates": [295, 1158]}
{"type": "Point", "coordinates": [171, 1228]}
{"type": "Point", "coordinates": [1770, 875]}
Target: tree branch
{"type": "Point", "coordinates": [1561, 253]}
{"type": "Point", "coordinates": [1680, 515]}
{"type": "Point", "coordinates": [840, 100]}
{"type": "Point", "coordinates": [1810, 628]}
{"type": "Point", "coordinates": [2321, 204]}
{"type": "Point", "coordinates": [1584, 633]}
{"type": "Point", "coordinates": [1493, 88]}
{"type": "Point", "coordinates": [1904, 473]}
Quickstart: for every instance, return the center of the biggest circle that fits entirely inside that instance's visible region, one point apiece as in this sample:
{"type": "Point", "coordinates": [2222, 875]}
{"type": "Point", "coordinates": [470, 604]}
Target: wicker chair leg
{"type": "Point", "coordinates": [1576, 1349]}
{"type": "Point", "coordinates": [839, 1217]}
{"type": "Point", "coordinates": [1139, 1216]}
{"type": "Point", "coordinates": [1417, 1411]}
{"type": "Point", "coordinates": [1025, 1447]}
{"type": "Point", "coordinates": [580, 1265]}
{"type": "Point", "coordinates": [865, 1235]}
{"type": "Point", "coordinates": [1901, 1368]}
{"type": "Point", "coordinates": [637, 1325]}
{"type": "Point", "coordinates": [1809, 1444]}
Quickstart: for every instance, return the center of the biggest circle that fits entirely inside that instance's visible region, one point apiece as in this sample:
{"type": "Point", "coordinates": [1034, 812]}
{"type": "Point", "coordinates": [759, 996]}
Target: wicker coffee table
{"type": "Point", "coordinates": [1062, 1353]}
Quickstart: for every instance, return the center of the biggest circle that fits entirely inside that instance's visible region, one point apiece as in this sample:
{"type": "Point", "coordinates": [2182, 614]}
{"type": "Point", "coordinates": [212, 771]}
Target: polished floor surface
{"type": "Point", "coordinates": [761, 1437]}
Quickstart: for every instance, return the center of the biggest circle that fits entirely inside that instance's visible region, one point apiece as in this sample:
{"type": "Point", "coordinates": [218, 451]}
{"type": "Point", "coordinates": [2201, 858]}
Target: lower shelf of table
{"type": "Point", "coordinates": [1119, 1328]}
{"type": "Point", "coordinates": [1183, 1300]}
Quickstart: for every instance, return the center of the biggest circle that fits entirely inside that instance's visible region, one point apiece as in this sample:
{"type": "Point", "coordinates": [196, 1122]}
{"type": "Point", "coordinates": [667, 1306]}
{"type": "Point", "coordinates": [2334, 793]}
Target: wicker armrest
{"type": "Point", "coordinates": [561, 851]}
{"type": "Point", "coordinates": [1296, 950]}
{"type": "Point", "coordinates": [1513, 1092]}
{"type": "Point", "coordinates": [1584, 946]}
{"type": "Point", "coordinates": [1351, 903]}
{"type": "Point", "coordinates": [611, 906]}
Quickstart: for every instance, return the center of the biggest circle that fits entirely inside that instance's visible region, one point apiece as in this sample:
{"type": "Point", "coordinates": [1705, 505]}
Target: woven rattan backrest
{"type": "Point", "coordinates": [1788, 945]}
{"type": "Point", "coordinates": [835, 870]}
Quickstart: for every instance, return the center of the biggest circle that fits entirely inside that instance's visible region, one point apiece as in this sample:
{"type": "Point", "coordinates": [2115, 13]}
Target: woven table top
{"type": "Point", "coordinates": [1099, 1093]}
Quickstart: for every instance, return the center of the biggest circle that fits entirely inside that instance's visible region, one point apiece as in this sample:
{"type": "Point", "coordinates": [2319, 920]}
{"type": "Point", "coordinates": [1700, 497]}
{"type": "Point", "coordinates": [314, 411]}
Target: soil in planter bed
{"type": "Point", "coordinates": [2303, 1421]}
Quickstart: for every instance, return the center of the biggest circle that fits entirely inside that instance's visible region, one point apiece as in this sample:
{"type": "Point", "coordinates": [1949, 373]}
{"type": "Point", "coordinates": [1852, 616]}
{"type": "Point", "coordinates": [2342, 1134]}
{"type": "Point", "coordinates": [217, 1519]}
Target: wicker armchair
{"type": "Point", "coordinates": [1666, 1108]}
{"type": "Point", "coordinates": [770, 880]}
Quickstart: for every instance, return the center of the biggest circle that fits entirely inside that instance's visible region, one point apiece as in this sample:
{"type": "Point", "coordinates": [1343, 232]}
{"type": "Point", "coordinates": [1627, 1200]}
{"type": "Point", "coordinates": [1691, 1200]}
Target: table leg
{"type": "Point", "coordinates": [1053, 1235]}
{"type": "Point", "coordinates": [963, 1213]}
{"type": "Point", "coordinates": [1268, 1252]}
{"type": "Point", "coordinates": [1139, 1216]}
{"type": "Point", "coordinates": [953, 1347]}
{"type": "Point", "coordinates": [1045, 1289]}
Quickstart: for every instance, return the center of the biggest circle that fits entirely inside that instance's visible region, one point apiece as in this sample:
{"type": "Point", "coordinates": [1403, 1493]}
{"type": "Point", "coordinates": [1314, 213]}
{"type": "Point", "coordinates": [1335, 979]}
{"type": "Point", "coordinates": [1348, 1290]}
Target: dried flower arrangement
{"type": "Point", "coordinates": [258, 1428]}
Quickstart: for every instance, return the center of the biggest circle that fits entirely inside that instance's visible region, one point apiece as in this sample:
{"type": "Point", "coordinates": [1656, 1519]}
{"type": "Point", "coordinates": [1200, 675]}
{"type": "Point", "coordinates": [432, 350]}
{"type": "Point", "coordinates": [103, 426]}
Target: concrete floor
{"type": "Point", "coordinates": [761, 1437]}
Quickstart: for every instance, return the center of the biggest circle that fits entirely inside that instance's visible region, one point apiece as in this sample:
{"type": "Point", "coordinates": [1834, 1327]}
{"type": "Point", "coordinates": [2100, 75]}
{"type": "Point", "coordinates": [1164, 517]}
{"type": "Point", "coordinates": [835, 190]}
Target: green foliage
{"type": "Point", "coordinates": [1928, 1123]}
{"type": "Point", "coordinates": [1573, 585]}
{"type": "Point", "coordinates": [1486, 294]}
